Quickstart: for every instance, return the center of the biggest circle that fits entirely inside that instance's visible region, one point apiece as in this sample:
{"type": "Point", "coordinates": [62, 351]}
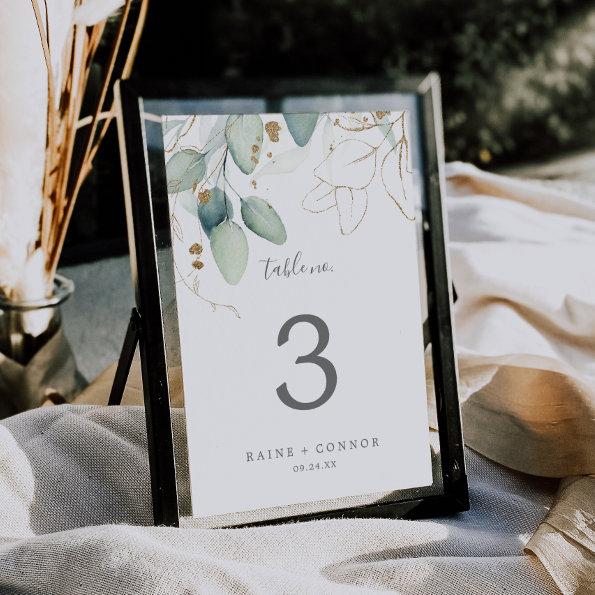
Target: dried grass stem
{"type": "Point", "coordinates": [65, 171]}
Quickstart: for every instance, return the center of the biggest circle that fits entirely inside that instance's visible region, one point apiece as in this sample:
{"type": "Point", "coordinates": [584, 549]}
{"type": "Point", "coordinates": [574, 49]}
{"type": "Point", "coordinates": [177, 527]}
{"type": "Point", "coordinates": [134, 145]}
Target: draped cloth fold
{"type": "Point", "coordinates": [74, 480]}
{"type": "Point", "coordinates": [523, 264]}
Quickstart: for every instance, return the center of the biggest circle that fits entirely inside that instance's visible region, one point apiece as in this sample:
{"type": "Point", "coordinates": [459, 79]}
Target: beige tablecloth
{"type": "Point", "coordinates": [523, 263]}
{"type": "Point", "coordinates": [73, 480]}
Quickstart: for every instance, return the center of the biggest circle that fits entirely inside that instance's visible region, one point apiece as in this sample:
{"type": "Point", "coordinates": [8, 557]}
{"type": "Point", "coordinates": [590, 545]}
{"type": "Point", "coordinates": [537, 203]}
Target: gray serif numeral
{"type": "Point", "coordinates": [312, 358]}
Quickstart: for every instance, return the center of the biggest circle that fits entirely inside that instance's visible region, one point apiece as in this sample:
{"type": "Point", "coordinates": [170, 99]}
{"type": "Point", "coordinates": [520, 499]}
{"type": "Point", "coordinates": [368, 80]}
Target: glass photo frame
{"type": "Point", "coordinates": [312, 211]}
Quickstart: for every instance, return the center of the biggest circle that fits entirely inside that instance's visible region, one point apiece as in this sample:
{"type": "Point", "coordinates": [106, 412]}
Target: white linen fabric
{"type": "Point", "coordinates": [74, 485]}
{"type": "Point", "coordinates": [70, 476]}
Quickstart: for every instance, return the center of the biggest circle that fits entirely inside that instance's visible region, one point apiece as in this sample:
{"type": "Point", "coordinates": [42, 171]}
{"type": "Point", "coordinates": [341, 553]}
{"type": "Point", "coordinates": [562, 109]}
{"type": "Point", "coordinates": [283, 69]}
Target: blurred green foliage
{"type": "Point", "coordinates": [518, 76]}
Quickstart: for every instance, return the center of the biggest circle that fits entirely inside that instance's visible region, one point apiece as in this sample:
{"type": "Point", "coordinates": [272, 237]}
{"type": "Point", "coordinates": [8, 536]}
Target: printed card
{"type": "Point", "coordinates": [298, 296]}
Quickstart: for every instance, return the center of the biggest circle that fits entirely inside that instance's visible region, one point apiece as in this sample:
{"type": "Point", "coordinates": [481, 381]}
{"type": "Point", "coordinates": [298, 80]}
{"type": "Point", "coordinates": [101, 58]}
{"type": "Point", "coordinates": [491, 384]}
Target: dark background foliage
{"type": "Point", "coordinates": [518, 76]}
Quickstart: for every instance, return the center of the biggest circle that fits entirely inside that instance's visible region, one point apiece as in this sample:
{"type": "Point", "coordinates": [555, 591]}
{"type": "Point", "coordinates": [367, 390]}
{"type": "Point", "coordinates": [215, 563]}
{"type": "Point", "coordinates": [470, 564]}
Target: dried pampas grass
{"type": "Point", "coordinates": [47, 145]}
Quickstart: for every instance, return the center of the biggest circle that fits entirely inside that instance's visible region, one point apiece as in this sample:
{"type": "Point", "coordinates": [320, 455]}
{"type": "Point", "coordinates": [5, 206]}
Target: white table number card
{"type": "Point", "coordinates": [299, 308]}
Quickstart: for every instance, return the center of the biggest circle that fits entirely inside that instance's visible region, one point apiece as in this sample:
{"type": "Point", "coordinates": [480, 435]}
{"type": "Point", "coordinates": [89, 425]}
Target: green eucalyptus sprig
{"type": "Point", "coordinates": [243, 139]}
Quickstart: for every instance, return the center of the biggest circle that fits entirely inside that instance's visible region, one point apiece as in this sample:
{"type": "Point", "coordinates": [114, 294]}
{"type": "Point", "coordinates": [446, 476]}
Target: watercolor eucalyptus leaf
{"type": "Point", "coordinates": [301, 127]}
{"type": "Point", "coordinates": [213, 207]}
{"type": "Point", "coordinates": [188, 201]}
{"type": "Point", "coordinates": [321, 198]}
{"type": "Point", "coordinates": [180, 127]}
{"type": "Point", "coordinates": [213, 160]}
{"type": "Point", "coordinates": [212, 133]}
{"type": "Point", "coordinates": [244, 139]}
{"type": "Point", "coordinates": [260, 218]}
{"type": "Point", "coordinates": [382, 119]}
{"type": "Point", "coordinates": [170, 124]}
{"type": "Point", "coordinates": [184, 170]}
{"type": "Point", "coordinates": [230, 250]}
{"type": "Point", "coordinates": [284, 163]}
{"type": "Point", "coordinates": [352, 206]}
{"type": "Point", "coordinates": [352, 164]}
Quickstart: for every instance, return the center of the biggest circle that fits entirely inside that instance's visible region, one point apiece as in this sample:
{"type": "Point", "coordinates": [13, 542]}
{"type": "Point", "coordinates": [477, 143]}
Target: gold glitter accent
{"type": "Point", "coordinates": [198, 264]}
{"type": "Point", "coordinates": [204, 197]}
{"type": "Point", "coordinates": [272, 129]}
{"type": "Point", "coordinates": [381, 115]}
{"type": "Point", "coordinates": [253, 183]}
{"type": "Point", "coordinates": [254, 160]}
{"type": "Point", "coordinates": [269, 154]}
{"type": "Point", "coordinates": [195, 249]}
{"type": "Point", "coordinates": [336, 121]}
{"type": "Point", "coordinates": [255, 148]}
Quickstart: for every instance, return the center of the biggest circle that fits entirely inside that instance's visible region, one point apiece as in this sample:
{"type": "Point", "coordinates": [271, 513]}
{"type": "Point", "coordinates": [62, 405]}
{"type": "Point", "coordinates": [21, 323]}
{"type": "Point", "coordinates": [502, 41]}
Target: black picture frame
{"type": "Point", "coordinates": [146, 203]}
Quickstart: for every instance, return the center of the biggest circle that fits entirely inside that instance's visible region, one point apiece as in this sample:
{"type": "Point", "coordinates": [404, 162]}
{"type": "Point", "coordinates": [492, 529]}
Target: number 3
{"type": "Point", "coordinates": [312, 358]}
